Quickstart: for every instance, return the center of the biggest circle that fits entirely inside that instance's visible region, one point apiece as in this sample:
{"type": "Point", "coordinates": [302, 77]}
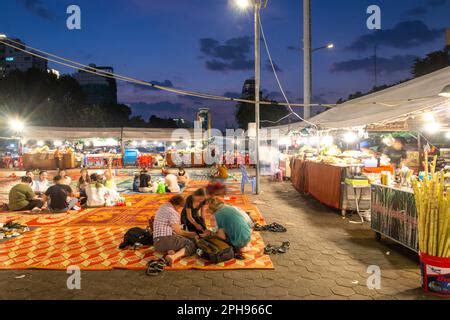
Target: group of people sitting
{"type": "Point", "coordinates": [172, 183]}
{"type": "Point", "coordinates": [179, 223]}
{"type": "Point", "coordinates": [37, 194]}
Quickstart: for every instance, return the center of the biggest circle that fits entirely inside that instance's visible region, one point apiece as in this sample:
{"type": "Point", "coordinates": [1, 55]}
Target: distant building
{"type": "Point", "coordinates": [204, 118]}
{"type": "Point", "coordinates": [13, 59]}
{"type": "Point", "coordinates": [99, 90]}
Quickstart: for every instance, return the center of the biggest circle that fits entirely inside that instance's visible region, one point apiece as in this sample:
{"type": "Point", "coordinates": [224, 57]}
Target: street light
{"type": "Point", "coordinates": [445, 92]}
{"type": "Point", "coordinates": [242, 4]}
{"type": "Point", "coordinates": [328, 46]}
{"type": "Point", "coordinates": [16, 125]}
{"type": "Point", "coordinates": [3, 36]}
{"type": "Point", "coordinates": [257, 5]}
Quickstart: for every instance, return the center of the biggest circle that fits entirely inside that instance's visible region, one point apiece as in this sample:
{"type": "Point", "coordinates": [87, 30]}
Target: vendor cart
{"type": "Point", "coordinates": [394, 215]}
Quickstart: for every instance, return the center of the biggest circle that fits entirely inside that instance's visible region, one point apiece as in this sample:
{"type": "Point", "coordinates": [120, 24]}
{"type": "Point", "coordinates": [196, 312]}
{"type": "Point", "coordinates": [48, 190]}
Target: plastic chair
{"type": "Point", "coordinates": [247, 179]}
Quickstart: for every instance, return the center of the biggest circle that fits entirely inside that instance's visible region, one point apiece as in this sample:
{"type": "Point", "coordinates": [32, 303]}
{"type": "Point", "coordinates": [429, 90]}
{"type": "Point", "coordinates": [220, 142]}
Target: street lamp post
{"type": "Point", "coordinates": [257, 9]}
{"type": "Point", "coordinates": [307, 76]}
{"type": "Point", "coordinates": [257, 4]}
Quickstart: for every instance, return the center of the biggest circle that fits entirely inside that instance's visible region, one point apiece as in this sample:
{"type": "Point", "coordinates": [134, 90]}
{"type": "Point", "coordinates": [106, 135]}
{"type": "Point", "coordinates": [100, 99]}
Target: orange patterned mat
{"type": "Point", "coordinates": [90, 238]}
{"type": "Point", "coordinates": [96, 248]}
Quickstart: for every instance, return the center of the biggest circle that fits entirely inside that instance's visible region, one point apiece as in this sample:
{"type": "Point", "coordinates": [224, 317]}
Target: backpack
{"type": "Point", "coordinates": [135, 237]}
{"type": "Point", "coordinates": [214, 249]}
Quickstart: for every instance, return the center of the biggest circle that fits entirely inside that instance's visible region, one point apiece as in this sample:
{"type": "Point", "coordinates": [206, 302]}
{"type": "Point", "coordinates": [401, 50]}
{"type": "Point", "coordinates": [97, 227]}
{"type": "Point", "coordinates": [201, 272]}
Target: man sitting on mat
{"type": "Point", "coordinates": [168, 235]}
{"type": "Point", "coordinates": [60, 196]}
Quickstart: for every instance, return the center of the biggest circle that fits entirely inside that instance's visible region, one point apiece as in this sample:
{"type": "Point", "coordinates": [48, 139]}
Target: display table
{"type": "Point", "coordinates": [101, 160]}
{"type": "Point", "coordinates": [185, 159]}
{"type": "Point", "coordinates": [48, 161]}
{"type": "Point", "coordinates": [320, 180]}
{"type": "Point", "coordinates": [326, 183]}
{"type": "Point", "coordinates": [394, 214]}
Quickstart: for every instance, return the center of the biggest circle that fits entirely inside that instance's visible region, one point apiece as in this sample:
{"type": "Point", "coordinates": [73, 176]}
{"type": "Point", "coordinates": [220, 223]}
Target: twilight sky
{"type": "Point", "coordinates": [207, 45]}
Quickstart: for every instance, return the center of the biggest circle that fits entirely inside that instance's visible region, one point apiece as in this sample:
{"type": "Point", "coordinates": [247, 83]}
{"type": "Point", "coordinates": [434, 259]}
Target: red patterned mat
{"type": "Point", "coordinates": [89, 239]}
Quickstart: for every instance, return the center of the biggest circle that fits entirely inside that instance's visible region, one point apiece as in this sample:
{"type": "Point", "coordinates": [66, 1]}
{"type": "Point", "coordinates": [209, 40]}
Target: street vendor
{"type": "Point", "coordinates": [396, 151]}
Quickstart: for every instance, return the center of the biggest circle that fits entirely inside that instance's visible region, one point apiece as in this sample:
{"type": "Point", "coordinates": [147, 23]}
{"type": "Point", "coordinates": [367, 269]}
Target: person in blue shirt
{"type": "Point", "coordinates": [232, 224]}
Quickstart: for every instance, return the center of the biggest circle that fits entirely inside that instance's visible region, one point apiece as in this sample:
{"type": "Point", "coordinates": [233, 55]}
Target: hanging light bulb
{"type": "Point", "coordinates": [350, 137]}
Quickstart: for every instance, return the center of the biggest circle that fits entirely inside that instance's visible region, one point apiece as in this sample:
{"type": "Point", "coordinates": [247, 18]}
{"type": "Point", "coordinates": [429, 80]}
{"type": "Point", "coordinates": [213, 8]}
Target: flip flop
{"type": "Point", "coordinates": [152, 269]}
{"type": "Point", "coordinates": [269, 249]}
{"type": "Point", "coordinates": [284, 247]}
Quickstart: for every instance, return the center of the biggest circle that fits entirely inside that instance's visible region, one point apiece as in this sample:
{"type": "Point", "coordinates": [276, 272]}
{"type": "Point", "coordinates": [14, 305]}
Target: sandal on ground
{"type": "Point", "coordinates": [273, 227]}
{"type": "Point", "coordinates": [284, 247]}
{"type": "Point", "coordinates": [155, 267]}
{"type": "Point", "coordinates": [269, 249]}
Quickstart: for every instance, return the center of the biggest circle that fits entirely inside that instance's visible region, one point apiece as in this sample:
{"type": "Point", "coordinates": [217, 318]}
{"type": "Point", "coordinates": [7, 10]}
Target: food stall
{"type": "Point", "coordinates": [44, 158]}
{"type": "Point", "coordinates": [96, 147]}
{"type": "Point", "coordinates": [332, 177]}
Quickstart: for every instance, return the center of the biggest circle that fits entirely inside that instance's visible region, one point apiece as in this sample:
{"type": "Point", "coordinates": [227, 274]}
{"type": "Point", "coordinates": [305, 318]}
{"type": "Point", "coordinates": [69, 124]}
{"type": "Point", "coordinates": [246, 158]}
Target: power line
{"type": "Point", "coordinates": [275, 73]}
{"type": "Point", "coordinates": [82, 67]}
{"type": "Point", "coordinates": [89, 69]}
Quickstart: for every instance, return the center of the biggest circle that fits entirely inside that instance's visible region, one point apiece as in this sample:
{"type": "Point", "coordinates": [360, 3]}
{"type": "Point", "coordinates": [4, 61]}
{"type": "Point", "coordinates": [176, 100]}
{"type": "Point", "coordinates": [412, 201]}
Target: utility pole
{"type": "Point", "coordinates": [375, 66]}
{"type": "Point", "coordinates": [307, 75]}
{"type": "Point", "coordinates": [257, 89]}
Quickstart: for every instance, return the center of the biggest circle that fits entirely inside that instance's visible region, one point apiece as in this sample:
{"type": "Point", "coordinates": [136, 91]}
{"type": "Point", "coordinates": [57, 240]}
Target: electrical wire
{"type": "Point", "coordinates": [89, 69]}
{"type": "Point", "coordinates": [106, 74]}
{"type": "Point", "coordinates": [275, 73]}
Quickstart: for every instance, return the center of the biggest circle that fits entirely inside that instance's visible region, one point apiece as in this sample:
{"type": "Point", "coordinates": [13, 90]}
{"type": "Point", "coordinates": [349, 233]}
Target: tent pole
{"type": "Point", "coordinates": [419, 148]}
{"type": "Point", "coordinates": [122, 146]}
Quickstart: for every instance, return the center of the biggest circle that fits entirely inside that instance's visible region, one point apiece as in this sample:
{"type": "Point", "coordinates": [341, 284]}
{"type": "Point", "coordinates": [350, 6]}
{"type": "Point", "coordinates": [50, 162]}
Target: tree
{"type": "Point", "coordinates": [44, 100]}
{"type": "Point", "coordinates": [245, 112]}
{"type": "Point", "coordinates": [432, 62]}
{"type": "Point", "coordinates": [156, 122]}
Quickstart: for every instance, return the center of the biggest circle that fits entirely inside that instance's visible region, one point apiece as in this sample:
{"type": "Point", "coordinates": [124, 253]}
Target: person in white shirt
{"type": "Point", "coordinates": [41, 184]}
{"type": "Point", "coordinates": [171, 181]}
{"type": "Point", "coordinates": [96, 192]}
{"type": "Point", "coordinates": [65, 178]}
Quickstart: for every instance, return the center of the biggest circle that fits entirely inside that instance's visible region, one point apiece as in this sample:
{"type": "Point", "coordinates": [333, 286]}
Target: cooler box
{"type": "Point", "coordinates": [130, 157]}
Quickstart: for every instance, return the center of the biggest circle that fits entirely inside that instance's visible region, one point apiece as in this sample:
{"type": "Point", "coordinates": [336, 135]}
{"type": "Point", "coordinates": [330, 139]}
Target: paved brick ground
{"type": "Point", "coordinates": [328, 259]}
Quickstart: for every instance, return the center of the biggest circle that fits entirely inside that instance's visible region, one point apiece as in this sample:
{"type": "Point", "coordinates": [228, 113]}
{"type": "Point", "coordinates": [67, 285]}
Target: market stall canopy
{"type": "Point", "coordinates": [164, 134]}
{"type": "Point", "coordinates": [390, 106]}
{"type": "Point", "coordinates": [50, 133]}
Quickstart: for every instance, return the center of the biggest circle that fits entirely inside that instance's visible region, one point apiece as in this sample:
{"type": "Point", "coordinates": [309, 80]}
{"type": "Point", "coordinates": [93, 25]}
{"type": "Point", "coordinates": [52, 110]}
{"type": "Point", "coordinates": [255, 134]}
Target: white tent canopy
{"type": "Point", "coordinates": [389, 105]}
{"type": "Point", "coordinates": [164, 134]}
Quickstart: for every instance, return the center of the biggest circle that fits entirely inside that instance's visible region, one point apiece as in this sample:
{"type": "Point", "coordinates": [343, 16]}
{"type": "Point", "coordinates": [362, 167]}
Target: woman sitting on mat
{"type": "Point", "coordinates": [221, 172]}
{"type": "Point", "coordinates": [171, 182]}
{"type": "Point", "coordinates": [98, 195]}
{"type": "Point", "coordinates": [183, 177]}
{"type": "Point", "coordinates": [109, 177]}
{"type": "Point", "coordinates": [145, 182]}
{"type": "Point", "coordinates": [22, 197]}
{"type": "Point", "coordinates": [65, 178]}
{"type": "Point", "coordinates": [168, 236]}
{"type": "Point", "coordinates": [232, 226]}
{"type": "Point", "coordinates": [83, 183]}
{"type": "Point", "coordinates": [192, 216]}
